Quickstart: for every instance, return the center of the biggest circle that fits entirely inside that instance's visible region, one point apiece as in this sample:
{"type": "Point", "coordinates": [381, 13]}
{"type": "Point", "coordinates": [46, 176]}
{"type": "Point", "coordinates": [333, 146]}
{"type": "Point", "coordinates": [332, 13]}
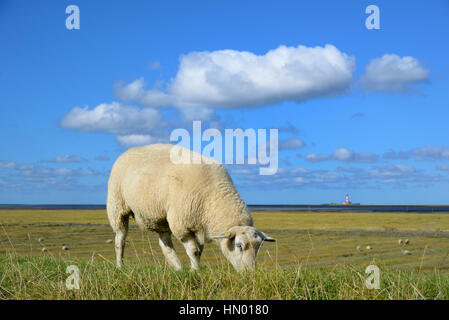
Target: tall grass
{"type": "Point", "coordinates": [44, 278]}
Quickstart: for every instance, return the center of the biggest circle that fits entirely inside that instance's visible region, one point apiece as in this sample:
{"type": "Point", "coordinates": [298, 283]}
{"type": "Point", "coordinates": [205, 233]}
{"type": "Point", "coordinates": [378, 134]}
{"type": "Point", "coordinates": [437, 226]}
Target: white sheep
{"type": "Point", "coordinates": [194, 202]}
{"type": "Point", "coordinates": [369, 248]}
{"type": "Point", "coordinates": [407, 241]}
{"type": "Point", "coordinates": [400, 241]}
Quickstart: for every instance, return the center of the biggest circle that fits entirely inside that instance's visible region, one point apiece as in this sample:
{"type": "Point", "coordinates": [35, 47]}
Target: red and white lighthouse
{"type": "Point", "coordinates": [347, 200]}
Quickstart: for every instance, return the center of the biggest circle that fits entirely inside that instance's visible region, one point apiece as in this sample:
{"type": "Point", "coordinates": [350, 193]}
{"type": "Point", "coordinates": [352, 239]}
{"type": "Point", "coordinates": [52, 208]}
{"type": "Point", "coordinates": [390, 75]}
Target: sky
{"type": "Point", "coordinates": [359, 111]}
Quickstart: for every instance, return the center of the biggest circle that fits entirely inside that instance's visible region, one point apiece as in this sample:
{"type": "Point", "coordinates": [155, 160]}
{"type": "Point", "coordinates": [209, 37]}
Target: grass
{"type": "Point", "coordinates": [44, 278]}
{"type": "Point", "coordinates": [315, 257]}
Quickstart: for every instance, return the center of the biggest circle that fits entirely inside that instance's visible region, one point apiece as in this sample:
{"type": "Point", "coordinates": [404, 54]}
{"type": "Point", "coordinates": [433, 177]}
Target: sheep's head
{"type": "Point", "coordinates": [241, 244]}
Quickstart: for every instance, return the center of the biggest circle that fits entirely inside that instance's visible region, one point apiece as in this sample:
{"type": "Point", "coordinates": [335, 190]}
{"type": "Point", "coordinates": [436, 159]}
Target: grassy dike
{"type": "Point", "coordinates": [45, 277]}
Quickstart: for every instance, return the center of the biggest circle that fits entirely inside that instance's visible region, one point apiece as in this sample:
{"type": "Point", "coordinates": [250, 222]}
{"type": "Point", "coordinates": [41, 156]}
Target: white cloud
{"type": "Point", "coordinates": [392, 73]}
{"type": "Point", "coordinates": [135, 92]}
{"type": "Point", "coordinates": [391, 154]}
{"type": "Point", "coordinates": [442, 167]}
{"type": "Point", "coordinates": [7, 164]}
{"type": "Point", "coordinates": [133, 140]}
{"type": "Point", "coordinates": [236, 79]}
{"type": "Point", "coordinates": [343, 154]}
{"type": "Point", "coordinates": [102, 158]}
{"type": "Point", "coordinates": [291, 144]}
{"type": "Point", "coordinates": [154, 65]}
{"type": "Point", "coordinates": [431, 153]}
{"type": "Point", "coordinates": [313, 157]}
{"type": "Point", "coordinates": [68, 159]}
{"type": "Point", "coordinates": [114, 118]}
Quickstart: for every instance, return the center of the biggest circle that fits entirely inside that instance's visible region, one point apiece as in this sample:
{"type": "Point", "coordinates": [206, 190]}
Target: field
{"type": "Point", "coordinates": [315, 257]}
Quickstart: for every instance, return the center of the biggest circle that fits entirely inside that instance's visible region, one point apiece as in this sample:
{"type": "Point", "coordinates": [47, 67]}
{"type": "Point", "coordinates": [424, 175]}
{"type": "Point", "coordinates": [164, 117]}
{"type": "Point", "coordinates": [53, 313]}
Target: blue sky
{"type": "Point", "coordinates": [365, 115]}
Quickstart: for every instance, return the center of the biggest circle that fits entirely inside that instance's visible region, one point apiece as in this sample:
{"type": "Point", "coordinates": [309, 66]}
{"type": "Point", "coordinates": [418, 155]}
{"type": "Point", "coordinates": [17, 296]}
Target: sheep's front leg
{"type": "Point", "coordinates": [194, 251]}
{"type": "Point", "coordinates": [169, 250]}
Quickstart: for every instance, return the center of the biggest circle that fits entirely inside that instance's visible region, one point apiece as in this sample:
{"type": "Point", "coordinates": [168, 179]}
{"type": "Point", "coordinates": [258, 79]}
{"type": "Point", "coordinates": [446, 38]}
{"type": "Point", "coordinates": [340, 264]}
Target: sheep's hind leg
{"type": "Point", "coordinates": [120, 239]}
{"type": "Point", "coordinates": [194, 250]}
{"type": "Point", "coordinates": [168, 250]}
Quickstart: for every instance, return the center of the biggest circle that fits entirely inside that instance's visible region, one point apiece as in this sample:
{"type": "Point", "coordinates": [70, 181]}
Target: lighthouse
{"type": "Point", "coordinates": [347, 200]}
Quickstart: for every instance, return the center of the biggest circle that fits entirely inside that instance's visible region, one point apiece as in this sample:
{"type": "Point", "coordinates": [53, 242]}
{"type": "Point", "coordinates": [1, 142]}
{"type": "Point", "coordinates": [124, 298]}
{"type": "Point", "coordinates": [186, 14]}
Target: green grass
{"type": "Point", "coordinates": [44, 278]}
{"type": "Point", "coordinates": [315, 257]}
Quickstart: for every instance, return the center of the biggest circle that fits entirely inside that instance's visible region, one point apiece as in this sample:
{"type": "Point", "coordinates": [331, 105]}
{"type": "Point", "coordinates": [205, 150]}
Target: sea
{"type": "Point", "coordinates": [270, 207]}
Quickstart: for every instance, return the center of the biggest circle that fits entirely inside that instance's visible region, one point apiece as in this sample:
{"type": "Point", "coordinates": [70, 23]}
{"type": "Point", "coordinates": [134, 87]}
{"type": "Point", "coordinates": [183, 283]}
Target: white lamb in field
{"type": "Point", "coordinates": [194, 202]}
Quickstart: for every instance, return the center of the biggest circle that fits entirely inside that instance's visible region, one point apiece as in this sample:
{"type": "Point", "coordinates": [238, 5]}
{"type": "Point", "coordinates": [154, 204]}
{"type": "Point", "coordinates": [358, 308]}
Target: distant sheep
{"type": "Point", "coordinates": [369, 248]}
{"type": "Point", "coordinates": [65, 248]}
{"type": "Point", "coordinates": [41, 239]}
{"type": "Point", "coordinates": [194, 202]}
{"type": "Point", "coordinates": [400, 242]}
{"type": "Point", "coordinates": [109, 241]}
{"type": "Point", "coordinates": [44, 250]}
{"type": "Point", "coordinates": [407, 241]}
{"type": "Point", "coordinates": [359, 248]}
{"type": "Point", "coordinates": [406, 252]}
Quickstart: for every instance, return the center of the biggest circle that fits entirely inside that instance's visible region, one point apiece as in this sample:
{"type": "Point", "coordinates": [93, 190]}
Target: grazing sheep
{"type": "Point", "coordinates": [406, 252]}
{"type": "Point", "coordinates": [407, 241]}
{"type": "Point", "coordinates": [40, 239]}
{"type": "Point", "coordinates": [44, 250]}
{"type": "Point", "coordinates": [368, 248]}
{"type": "Point", "coordinates": [400, 242]}
{"type": "Point", "coordinates": [109, 241]}
{"type": "Point", "coordinates": [195, 202]}
{"type": "Point", "coordinates": [64, 248]}
{"type": "Point", "coordinates": [359, 248]}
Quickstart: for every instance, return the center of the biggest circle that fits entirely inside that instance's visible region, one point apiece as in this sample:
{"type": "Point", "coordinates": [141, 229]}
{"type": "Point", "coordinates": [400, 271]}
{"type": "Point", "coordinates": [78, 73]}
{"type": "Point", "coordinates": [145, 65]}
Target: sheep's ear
{"type": "Point", "coordinates": [266, 237]}
{"type": "Point", "coordinates": [223, 235]}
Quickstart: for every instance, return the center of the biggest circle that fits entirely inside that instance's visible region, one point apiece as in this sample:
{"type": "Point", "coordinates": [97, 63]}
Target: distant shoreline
{"type": "Point", "coordinates": [263, 207]}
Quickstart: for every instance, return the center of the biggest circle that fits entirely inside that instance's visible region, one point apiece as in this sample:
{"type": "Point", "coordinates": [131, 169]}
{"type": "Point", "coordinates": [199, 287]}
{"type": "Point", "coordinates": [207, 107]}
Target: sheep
{"type": "Point", "coordinates": [406, 252]}
{"type": "Point", "coordinates": [194, 202]}
{"type": "Point", "coordinates": [407, 241]}
{"type": "Point", "coordinates": [400, 242]}
{"type": "Point", "coordinates": [359, 248]}
{"type": "Point", "coordinates": [44, 250]}
{"type": "Point", "coordinates": [109, 241]}
{"type": "Point", "coordinates": [40, 239]}
{"type": "Point", "coordinates": [368, 248]}
{"type": "Point", "coordinates": [64, 248]}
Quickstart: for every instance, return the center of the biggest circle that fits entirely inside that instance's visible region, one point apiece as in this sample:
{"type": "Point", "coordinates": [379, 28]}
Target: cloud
{"type": "Point", "coordinates": [136, 140]}
{"type": "Point", "coordinates": [154, 65]}
{"type": "Point", "coordinates": [313, 157]}
{"type": "Point", "coordinates": [431, 153]}
{"type": "Point", "coordinates": [393, 74]}
{"type": "Point", "coordinates": [29, 177]}
{"type": "Point", "coordinates": [112, 118]}
{"type": "Point", "coordinates": [7, 164]}
{"type": "Point", "coordinates": [102, 158]}
{"type": "Point", "coordinates": [291, 144]}
{"type": "Point", "coordinates": [68, 159]}
{"type": "Point", "coordinates": [343, 154]}
{"type": "Point", "coordinates": [240, 79]}
{"type": "Point", "coordinates": [391, 154]}
{"type": "Point", "coordinates": [442, 167]}
{"type": "Point", "coordinates": [358, 115]}
{"type": "Point", "coordinates": [132, 125]}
